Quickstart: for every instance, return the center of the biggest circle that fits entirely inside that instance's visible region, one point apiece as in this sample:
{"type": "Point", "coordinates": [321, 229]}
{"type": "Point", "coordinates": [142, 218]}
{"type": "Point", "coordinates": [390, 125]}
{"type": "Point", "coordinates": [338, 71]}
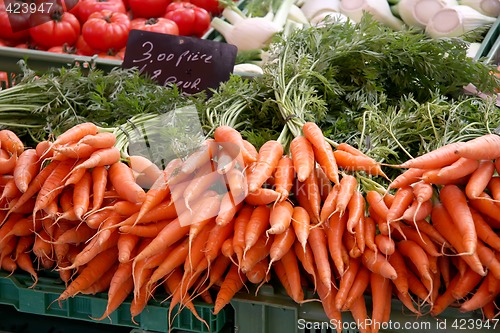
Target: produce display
{"type": "Point", "coordinates": [363, 160]}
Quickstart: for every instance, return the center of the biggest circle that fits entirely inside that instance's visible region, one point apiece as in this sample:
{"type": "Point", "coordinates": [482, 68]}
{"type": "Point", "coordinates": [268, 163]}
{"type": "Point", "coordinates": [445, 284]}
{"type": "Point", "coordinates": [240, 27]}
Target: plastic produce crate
{"type": "Point", "coordinates": [15, 290]}
{"type": "Point", "coordinates": [272, 311]}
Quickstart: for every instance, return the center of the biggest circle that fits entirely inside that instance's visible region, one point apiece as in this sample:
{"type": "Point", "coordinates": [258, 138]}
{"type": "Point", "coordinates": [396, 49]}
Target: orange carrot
{"type": "Point", "coordinates": [302, 156]}
{"type": "Point", "coordinates": [269, 155]}
{"type": "Point", "coordinates": [122, 179]}
{"type": "Point", "coordinates": [262, 196]}
{"type": "Point", "coordinates": [356, 209]}
{"type": "Point", "coordinates": [437, 158]}
{"type": "Point", "coordinates": [323, 152]}
{"type": "Point", "coordinates": [489, 209]}
{"type": "Point", "coordinates": [101, 157]}
{"type": "Point", "coordinates": [240, 223]}
{"type": "Point", "coordinates": [291, 266]}
{"type": "Point", "coordinates": [377, 263]}
{"type": "Point", "coordinates": [334, 232]}
{"type": "Point", "coordinates": [488, 259]}
{"type": "Point", "coordinates": [217, 235]}
{"type": "Point", "coordinates": [358, 286]}
{"type": "Point", "coordinates": [25, 263]}
{"type": "Point", "coordinates": [26, 168]}
{"type": "Point", "coordinates": [376, 201]}
{"type": "Point", "coordinates": [329, 204]}
{"type": "Point", "coordinates": [237, 184]}
{"type": "Point", "coordinates": [99, 183]}
{"type": "Point", "coordinates": [280, 217]}
{"type": "Point", "coordinates": [258, 223]}
{"type": "Point", "coordinates": [385, 244]}
{"type": "Point", "coordinates": [381, 289]}
{"type": "Point", "coordinates": [91, 273]}
{"type": "Point", "coordinates": [417, 211]}
{"type": "Point", "coordinates": [232, 283]}
{"type": "Point", "coordinates": [407, 178]}
{"type": "Point", "coordinates": [479, 179]}
{"type": "Point", "coordinates": [282, 243]}
{"type": "Point", "coordinates": [485, 147]}
{"type": "Point", "coordinates": [306, 258]}
{"type": "Point", "coordinates": [351, 162]}
{"type": "Point", "coordinates": [402, 199]}
{"type": "Point", "coordinates": [347, 187]}
{"type": "Point", "coordinates": [230, 135]}
{"type": "Point", "coordinates": [482, 295]}
{"type": "Point", "coordinates": [317, 236]}
{"type": "Point", "coordinates": [370, 230]}
{"type": "Point", "coordinates": [126, 244]}
{"type": "Point", "coordinates": [228, 208]}
{"type": "Point", "coordinates": [346, 282]}
{"type": "Point", "coordinates": [360, 315]}
{"type": "Point", "coordinates": [458, 169]}
{"type": "Point", "coordinates": [144, 170]}
{"type": "Point", "coordinates": [485, 232]}
{"type": "Point", "coordinates": [416, 254]}
{"type": "Point", "coordinates": [76, 151]}
{"type": "Point", "coordinates": [256, 253]}
{"type": "Point", "coordinates": [174, 259]}
{"type": "Point", "coordinates": [455, 202]}
{"type": "Point", "coordinates": [11, 142]}
{"type": "Point", "coordinates": [284, 176]}
{"type": "Point", "coordinates": [75, 133]}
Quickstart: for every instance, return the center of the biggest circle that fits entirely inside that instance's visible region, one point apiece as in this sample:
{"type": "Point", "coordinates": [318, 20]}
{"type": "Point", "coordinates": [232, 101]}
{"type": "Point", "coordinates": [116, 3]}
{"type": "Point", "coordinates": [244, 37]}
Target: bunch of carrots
{"type": "Point", "coordinates": [228, 215]}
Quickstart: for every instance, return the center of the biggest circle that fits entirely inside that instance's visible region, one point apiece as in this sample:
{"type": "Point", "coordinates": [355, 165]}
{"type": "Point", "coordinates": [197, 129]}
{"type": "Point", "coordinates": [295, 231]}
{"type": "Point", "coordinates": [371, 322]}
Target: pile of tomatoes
{"type": "Point", "coordinates": [89, 27]}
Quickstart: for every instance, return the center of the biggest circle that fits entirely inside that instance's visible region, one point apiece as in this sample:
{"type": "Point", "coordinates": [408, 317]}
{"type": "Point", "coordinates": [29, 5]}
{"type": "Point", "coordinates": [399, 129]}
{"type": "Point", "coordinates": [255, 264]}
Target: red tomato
{"type": "Point", "coordinates": [4, 80]}
{"type": "Point", "coordinates": [191, 20]}
{"type": "Point", "coordinates": [83, 48]}
{"type": "Point", "coordinates": [19, 22]}
{"type": "Point", "coordinates": [211, 6]}
{"type": "Point", "coordinates": [108, 55]}
{"type": "Point", "coordinates": [121, 54]}
{"type": "Point", "coordinates": [87, 7]}
{"type": "Point", "coordinates": [71, 6]}
{"type": "Point", "coordinates": [161, 25]}
{"type": "Point", "coordinates": [106, 30]}
{"type": "Point", "coordinates": [30, 46]}
{"type": "Point", "coordinates": [62, 28]}
{"type": "Point", "coordinates": [64, 49]}
{"type": "Point", "coordinates": [148, 8]}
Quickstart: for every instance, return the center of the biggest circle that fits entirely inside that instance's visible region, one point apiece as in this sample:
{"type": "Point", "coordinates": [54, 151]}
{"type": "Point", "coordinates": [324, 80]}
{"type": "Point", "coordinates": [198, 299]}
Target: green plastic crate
{"type": "Point", "coordinates": [15, 290]}
{"type": "Point", "coordinates": [272, 311]}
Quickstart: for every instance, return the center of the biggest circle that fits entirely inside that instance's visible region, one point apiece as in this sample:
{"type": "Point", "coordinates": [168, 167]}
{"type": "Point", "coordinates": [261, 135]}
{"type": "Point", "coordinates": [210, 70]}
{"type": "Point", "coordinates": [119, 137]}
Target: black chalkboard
{"type": "Point", "coordinates": [193, 64]}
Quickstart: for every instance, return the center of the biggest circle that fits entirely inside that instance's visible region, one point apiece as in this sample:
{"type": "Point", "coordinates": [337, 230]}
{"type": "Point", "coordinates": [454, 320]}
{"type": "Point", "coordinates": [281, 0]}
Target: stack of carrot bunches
{"type": "Point", "coordinates": [223, 218]}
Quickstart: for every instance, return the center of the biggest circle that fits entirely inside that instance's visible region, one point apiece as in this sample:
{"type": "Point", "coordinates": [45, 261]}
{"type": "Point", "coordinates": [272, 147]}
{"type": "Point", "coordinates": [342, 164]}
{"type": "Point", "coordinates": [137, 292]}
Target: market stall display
{"type": "Point", "coordinates": [354, 172]}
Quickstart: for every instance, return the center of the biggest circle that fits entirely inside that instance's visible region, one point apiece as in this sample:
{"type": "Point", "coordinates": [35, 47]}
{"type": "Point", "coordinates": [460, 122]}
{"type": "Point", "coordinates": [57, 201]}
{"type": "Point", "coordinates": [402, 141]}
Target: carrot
{"type": "Point", "coordinates": [406, 178]}
{"type": "Point", "coordinates": [258, 273]}
{"type": "Point", "coordinates": [269, 155]}
{"type": "Point", "coordinates": [76, 133]}
{"type": "Point", "coordinates": [317, 237]}
{"type": "Point", "coordinates": [385, 244]}
{"type": "Point", "coordinates": [148, 230]}
{"type": "Point", "coordinates": [7, 163]}
{"type": "Point", "coordinates": [282, 243]}
{"type": "Point", "coordinates": [76, 151]}
{"type": "Point", "coordinates": [256, 253]}
{"type": "Point", "coordinates": [327, 298]}
{"type": "Point", "coordinates": [122, 179]}
{"type": "Point", "coordinates": [323, 152]}
{"type": "Point", "coordinates": [26, 168]}
{"type": "Point", "coordinates": [52, 186]}
{"type": "Point", "coordinates": [92, 272]}
{"type": "Point", "coordinates": [11, 142]}
{"type": "Point", "coordinates": [402, 199]}
{"type": "Point", "coordinates": [173, 260]}
{"type": "Point", "coordinates": [370, 230]}
{"type": "Point", "coordinates": [401, 281]}
{"type": "Point", "coordinates": [280, 217]}
{"type": "Point", "coordinates": [489, 311]}
{"type": "Point", "coordinates": [455, 202]}
{"type": "Point", "coordinates": [347, 186]}
{"type": "Point", "coordinates": [163, 211]}
{"type": "Point", "coordinates": [291, 266]}
{"type": "Point", "coordinates": [334, 232]}
{"type": "Point", "coordinates": [284, 176]}
{"type": "Point", "coordinates": [416, 254]}
{"type": "Point", "coordinates": [376, 202]}
{"type": "Point", "coordinates": [126, 244]}
{"type": "Point", "coordinates": [196, 247]}
{"type": "Point", "coordinates": [488, 259]}
{"type": "Point", "coordinates": [311, 190]}
{"type": "Point", "coordinates": [240, 223]}
{"type": "Point", "coordinates": [76, 235]}
{"type": "Point", "coordinates": [407, 301]}
{"type": "Point", "coordinates": [236, 182]}
{"type": "Point", "coordinates": [487, 208]}
{"type": "Point", "coordinates": [229, 134]}
{"type": "Point", "coordinates": [8, 264]}
{"type": "Point", "coordinates": [479, 179]}
{"type": "Point", "coordinates": [120, 287]}
{"type": "Point", "coordinates": [417, 211]}
{"type": "Point", "coordinates": [256, 226]}
{"type": "Point", "coordinates": [329, 204]}
{"type": "Point", "coordinates": [24, 244]}
{"type": "Point", "coordinates": [482, 296]}
{"type": "Point", "coordinates": [437, 158]}
{"type": "Point", "coordinates": [465, 284]}
{"type": "Point", "coordinates": [144, 170]}
{"type": "Point", "coordinates": [228, 208]}
{"type": "Point", "coordinates": [216, 237]}
{"type": "Point", "coordinates": [100, 157]}
{"type": "Point", "coordinates": [103, 283]}
{"type": "Point", "coordinates": [10, 191]}
{"type": "Point", "coordinates": [381, 290]}
{"type": "Point", "coordinates": [306, 258]}
{"type": "Point", "coordinates": [99, 140]}
{"type": "Point", "coordinates": [232, 283]}
{"type": "Point", "coordinates": [485, 147]}
{"type": "Point", "coordinates": [42, 248]}
{"type": "Point", "coordinates": [484, 231]}
{"type": "Point", "coordinates": [351, 162]}
{"type": "Point", "coordinates": [99, 184]}
{"type": "Point", "coordinates": [262, 196]}
{"type": "Point", "coordinates": [203, 180]}
{"type": "Point", "coordinates": [302, 156]}
{"type": "Point", "coordinates": [24, 262]}
{"type": "Point", "coordinates": [493, 187]}
{"type": "Point", "coordinates": [377, 263]}
{"type": "Point", "coordinates": [346, 282]}
{"type": "Point", "coordinates": [350, 246]}
{"type": "Point", "coordinates": [356, 209]}
{"type": "Point", "coordinates": [358, 286]}
{"type": "Point", "coordinates": [458, 169]}
{"type": "Point", "coordinates": [81, 195]}
{"type": "Point", "coordinates": [360, 315]}
{"type": "Point", "coordinates": [425, 242]}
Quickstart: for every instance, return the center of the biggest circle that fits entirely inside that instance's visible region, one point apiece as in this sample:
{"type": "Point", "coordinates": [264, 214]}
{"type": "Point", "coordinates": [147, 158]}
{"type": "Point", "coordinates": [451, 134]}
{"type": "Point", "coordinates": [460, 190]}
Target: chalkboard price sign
{"type": "Point", "coordinates": [193, 64]}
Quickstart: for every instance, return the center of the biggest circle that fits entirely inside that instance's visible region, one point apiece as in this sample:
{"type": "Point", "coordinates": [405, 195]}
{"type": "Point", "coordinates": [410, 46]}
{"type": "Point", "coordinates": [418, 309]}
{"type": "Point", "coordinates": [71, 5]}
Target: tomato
{"type": "Point", "coordinates": [161, 25]}
{"type": "Point", "coordinates": [83, 48]}
{"type": "Point", "coordinates": [191, 20]}
{"type": "Point", "coordinates": [30, 46]}
{"type": "Point", "coordinates": [4, 80]}
{"type": "Point", "coordinates": [121, 54]}
{"type": "Point", "coordinates": [87, 7]}
{"type": "Point", "coordinates": [148, 8]}
{"type": "Point", "coordinates": [106, 30]}
{"type": "Point", "coordinates": [19, 21]}
{"type": "Point", "coordinates": [63, 27]}
{"type": "Point", "coordinates": [63, 49]}
{"type": "Point", "coordinates": [211, 6]}
{"type": "Point", "coordinates": [71, 6]}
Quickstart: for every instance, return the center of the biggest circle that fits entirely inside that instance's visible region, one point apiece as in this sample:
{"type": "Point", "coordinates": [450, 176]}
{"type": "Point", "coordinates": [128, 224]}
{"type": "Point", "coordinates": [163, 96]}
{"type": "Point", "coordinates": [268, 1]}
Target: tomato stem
{"type": "Point", "coordinates": [151, 21]}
